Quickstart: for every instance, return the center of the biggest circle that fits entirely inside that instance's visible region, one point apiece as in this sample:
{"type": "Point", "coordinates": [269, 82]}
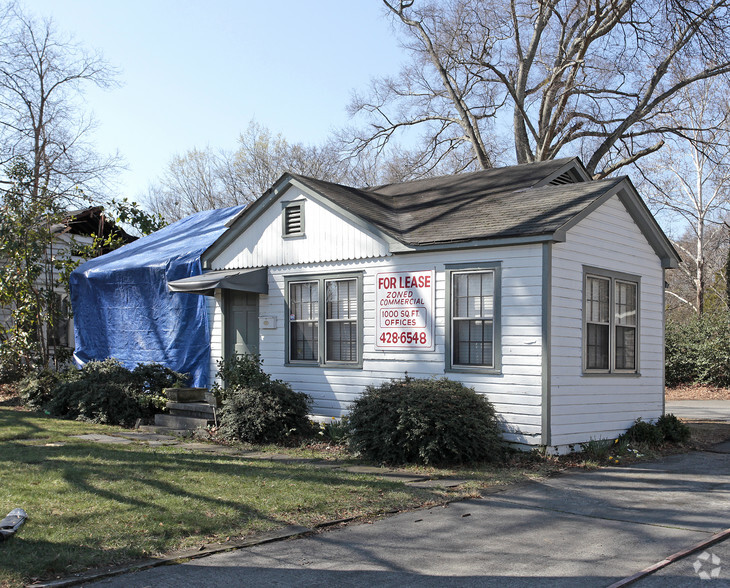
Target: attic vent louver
{"type": "Point", "coordinates": [294, 219]}
{"type": "Point", "coordinates": [562, 179]}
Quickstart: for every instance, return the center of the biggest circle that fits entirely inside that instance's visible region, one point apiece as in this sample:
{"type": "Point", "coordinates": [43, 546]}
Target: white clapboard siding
{"type": "Point", "coordinates": [327, 237]}
{"type": "Point", "coordinates": [584, 407]}
{"type": "Point", "coordinates": [516, 392]}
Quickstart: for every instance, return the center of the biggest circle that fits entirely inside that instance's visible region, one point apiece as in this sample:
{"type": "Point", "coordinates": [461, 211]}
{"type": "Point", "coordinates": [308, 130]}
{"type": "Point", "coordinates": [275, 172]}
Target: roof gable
{"type": "Point", "coordinates": [537, 201]}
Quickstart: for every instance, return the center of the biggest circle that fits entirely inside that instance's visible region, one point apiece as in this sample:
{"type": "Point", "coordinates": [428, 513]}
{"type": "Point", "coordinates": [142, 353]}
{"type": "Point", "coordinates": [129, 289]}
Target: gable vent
{"type": "Point", "coordinates": [293, 219]}
{"type": "Point", "coordinates": [562, 179]}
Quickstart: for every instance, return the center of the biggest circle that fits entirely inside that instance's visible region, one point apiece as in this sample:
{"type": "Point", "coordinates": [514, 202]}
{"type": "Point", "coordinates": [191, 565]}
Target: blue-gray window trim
{"type": "Point", "coordinates": [457, 268]}
{"type": "Point", "coordinates": [613, 277]}
{"type": "Point", "coordinates": [321, 279]}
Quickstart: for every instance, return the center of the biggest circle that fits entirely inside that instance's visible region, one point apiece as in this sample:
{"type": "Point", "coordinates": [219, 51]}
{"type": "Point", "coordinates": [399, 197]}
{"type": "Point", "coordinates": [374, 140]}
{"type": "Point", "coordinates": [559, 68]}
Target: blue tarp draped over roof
{"type": "Point", "coordinates": [123, 308]}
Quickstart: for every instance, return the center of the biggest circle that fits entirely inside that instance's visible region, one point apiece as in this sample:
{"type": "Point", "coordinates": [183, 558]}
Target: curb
{"type": "Point", "coordinates": [716, 538]}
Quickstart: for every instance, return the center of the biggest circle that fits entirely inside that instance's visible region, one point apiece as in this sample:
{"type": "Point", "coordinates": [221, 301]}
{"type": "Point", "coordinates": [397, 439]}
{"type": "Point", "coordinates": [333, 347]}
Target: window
{"type": "Point", "coordinates": [611, 322]}
{"type": "Point", "coordinates": [473, 328]}
{"type": "Point", "coordinates": [293, 219]}
{"type": "Point", "coordinates": [325, 320]}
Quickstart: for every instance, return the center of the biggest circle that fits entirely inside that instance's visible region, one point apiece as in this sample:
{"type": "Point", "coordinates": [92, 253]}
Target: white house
{"type": "Point", "coordinates": [533, 284]}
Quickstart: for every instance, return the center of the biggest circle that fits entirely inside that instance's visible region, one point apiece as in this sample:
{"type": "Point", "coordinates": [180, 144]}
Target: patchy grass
{"type": "Point", "coordinates": [92, 504]}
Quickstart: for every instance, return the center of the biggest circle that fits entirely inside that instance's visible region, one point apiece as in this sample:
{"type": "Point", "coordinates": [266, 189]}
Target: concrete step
{"type": "Point", "coordinates": [200, 410]}
{"type": "Point", "coordinates": [186, 394]}
{"type": "Point", "coordinates": [181, 422]}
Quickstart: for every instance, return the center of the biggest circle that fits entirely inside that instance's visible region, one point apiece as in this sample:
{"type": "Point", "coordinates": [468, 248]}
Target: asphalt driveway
{"type": "Point", "coordinates": [713, 410]}
{"type": "Point", "coordinates": [588, 528]}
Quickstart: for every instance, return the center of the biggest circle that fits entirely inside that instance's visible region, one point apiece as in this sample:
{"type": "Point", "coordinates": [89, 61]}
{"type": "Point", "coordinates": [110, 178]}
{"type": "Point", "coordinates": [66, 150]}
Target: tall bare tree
{"type": "Point", "coordinates": [690, 180]}
{"type": "Point", "coordinates": [43, 75]}
{"type": "Point", "coordinates": [589, 77]}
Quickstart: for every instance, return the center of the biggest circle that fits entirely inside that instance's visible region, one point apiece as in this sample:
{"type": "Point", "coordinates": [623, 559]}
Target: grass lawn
{"type": "Point", "coordinates": [92, 504]}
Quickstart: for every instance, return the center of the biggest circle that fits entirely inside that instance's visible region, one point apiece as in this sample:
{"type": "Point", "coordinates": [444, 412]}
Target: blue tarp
{"type": "Point", "coordinates": [123, 308]}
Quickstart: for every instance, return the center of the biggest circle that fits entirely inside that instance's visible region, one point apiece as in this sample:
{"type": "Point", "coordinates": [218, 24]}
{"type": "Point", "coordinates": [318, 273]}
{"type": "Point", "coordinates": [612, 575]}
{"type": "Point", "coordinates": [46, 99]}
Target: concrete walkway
{"type": "Point", "coordinates": [588, 528]}
{"type": "Point", "coordinates": [714, 410]}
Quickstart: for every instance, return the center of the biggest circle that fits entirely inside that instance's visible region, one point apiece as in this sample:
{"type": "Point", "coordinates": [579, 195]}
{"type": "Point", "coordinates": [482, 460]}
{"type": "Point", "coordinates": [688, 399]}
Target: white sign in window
{"type": "Point", "coordinates": [404, 304]}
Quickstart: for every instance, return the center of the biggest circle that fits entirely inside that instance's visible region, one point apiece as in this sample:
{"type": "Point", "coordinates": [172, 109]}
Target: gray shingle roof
{"type": "Point", "coordinates": [490, 204]}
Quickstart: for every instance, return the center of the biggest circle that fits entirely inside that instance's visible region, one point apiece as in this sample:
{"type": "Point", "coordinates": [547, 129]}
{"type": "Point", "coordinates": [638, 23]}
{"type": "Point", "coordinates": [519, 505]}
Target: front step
{"type": "Point", "coordinates": [181, 422]}
{"type": "Point", "coordinates": [199, 410]}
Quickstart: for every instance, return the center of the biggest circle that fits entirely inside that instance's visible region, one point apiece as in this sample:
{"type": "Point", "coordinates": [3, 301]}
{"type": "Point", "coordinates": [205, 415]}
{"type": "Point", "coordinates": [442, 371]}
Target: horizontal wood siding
{"type": "Point", "coordinates": [516, 392]}
{"type": "Point", "coordinates": [585, 407]}
{"type": "Point", "coordinates": [327, 237]}
{"type": "Point", "coordinates": [215, 326]}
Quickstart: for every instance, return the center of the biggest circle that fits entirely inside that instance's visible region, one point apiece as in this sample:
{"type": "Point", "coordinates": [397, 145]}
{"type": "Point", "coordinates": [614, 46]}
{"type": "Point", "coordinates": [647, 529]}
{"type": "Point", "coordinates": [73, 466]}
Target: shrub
{"type": "Point", "coordinates": [257, 409]}
{"type": "Point", "coordinates": [36, 388]}
{"type": "Point", "coordinates": [107, 392]}
{"type": "Point", "coordinates": [424, 421]}
{"type": "Point", "coordinates": [643, 432]}
{"type": "Point", "coordinates": [698, 351]}
{"type": "Point", "coordinates": [672, 429]}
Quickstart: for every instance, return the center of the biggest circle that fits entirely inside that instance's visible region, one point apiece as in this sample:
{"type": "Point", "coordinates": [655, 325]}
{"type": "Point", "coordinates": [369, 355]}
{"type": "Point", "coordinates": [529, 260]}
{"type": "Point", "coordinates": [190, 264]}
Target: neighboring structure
{"type": "Point", "coordinates": [74, 230]}
{"type": "Point", "coordinates": [535, 285]}
{"type": "Point", "coordinates": [123, 309]}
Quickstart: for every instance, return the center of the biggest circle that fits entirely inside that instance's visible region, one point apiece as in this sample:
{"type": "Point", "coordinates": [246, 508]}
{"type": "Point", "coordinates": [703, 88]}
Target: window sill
{"type": "Point", "coordinates": [459, 369]}
{"type": "Point", "coordinates": [611, 374]}
{"type": "Point", "coordinates": [328, 366]}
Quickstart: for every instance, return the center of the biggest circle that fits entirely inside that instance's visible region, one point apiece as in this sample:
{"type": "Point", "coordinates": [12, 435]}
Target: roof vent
{"type": "Point", "coordinates": [294, 219]}
{"type": "Point", "coordinates": [564, 178]}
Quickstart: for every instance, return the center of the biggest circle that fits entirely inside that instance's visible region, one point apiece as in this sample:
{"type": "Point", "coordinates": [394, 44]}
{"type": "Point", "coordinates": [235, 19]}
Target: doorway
{"type": "Point", "coordinates": [241, 323]}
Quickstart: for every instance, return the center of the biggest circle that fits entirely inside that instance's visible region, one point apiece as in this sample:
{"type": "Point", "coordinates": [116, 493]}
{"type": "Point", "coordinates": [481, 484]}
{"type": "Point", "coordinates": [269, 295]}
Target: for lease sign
{"type": "Point", "coordinates": [404, 309]}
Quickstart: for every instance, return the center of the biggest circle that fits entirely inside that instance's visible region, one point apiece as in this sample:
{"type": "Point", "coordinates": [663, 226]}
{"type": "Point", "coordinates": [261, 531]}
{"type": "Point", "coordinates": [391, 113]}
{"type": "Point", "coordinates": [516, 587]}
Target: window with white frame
{"type": "Point", "coordinates": [611, 338]}
{"type": "Point", "coordinates": [474, 318]}
{"type": "Point", "coordinates": [325, 320]}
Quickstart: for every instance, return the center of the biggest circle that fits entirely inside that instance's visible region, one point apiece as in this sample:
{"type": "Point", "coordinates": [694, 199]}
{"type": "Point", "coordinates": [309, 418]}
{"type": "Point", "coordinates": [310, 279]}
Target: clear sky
{"type": "Point", "coordinates": [195, 73]}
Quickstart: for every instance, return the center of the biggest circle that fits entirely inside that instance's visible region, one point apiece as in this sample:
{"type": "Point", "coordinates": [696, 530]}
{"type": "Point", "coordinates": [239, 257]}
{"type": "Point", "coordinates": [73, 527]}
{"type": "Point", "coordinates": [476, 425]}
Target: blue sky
{"type": "Point", "coordinates": [195, 73]}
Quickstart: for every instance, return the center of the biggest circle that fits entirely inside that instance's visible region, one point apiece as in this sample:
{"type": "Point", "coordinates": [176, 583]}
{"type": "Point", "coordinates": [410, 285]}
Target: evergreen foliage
{"type": "Point", "coordinates": [425, 421]}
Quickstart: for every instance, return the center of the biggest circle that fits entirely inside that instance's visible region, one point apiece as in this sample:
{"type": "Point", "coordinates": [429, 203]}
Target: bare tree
{"type": "Point", "coordinates": [43, 75]}
{"type": "Point", "coordinates": [690, 180]}
{"type": "Point", "coordinates": [590, 77]}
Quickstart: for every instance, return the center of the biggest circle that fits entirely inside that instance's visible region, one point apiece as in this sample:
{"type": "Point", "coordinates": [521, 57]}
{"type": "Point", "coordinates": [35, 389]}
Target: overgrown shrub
{"type": "Point", "coordinates": [643, 432]}
{"type": "Point", "coordinates": [672, 429]}
{"type": "Point", "coordinates": [425, 421]}
{"type": "Point", "coordinates": [257, 409]}
{"type": "Point", "coordinates": [36, 388]}
{"type": "Point", "coordinates": [107, 392]}
{"type": "Point", "coordinates": [698, 351]}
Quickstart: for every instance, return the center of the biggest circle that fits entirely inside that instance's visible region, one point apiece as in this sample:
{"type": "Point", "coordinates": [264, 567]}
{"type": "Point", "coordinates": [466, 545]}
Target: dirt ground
{"type": "Point", "coordinates": [697, 392]}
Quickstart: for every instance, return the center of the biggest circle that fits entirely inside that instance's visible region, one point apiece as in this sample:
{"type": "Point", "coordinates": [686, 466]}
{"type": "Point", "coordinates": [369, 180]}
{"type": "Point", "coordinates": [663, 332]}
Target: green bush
{"type": "Point", "coordinates": [107, 392]}
{"type": "Point", "coordinates": [36, 388]}
{"type": "Point", "coordinates": [698, 351]}
{"type": "Point", "coordinates": [643, 432]}
{"type": "Point", "coordinates": [257, 409]}
{"type": "Point", "coordinates": [424, 421]}
{"type": "Point", "coordinates": [672, 429]}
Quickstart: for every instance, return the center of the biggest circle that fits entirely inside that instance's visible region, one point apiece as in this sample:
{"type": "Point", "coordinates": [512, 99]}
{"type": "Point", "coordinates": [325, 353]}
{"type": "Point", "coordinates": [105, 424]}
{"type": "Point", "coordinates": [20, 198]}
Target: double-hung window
{"type": "Point", "coordinates": [611, 325]}
{"type": "Point", "coordinates": [325, 320]}
{"type": "Point", "coordinates": [473, 328]}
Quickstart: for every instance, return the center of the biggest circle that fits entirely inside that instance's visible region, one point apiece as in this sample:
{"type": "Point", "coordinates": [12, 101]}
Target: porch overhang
{"type": "Point", "coordinates": [245, 280]}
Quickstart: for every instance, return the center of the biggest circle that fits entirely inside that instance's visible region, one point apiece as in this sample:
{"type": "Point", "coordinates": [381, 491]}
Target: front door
{"type": "Point", "coordinates": [242, 323]}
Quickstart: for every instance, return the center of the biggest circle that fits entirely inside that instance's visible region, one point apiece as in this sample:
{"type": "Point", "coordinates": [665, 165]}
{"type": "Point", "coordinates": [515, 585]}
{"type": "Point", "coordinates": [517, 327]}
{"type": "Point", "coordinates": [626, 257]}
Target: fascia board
{"type": "Point", "coordinates": [392, 242]}
{"type": "Point", "coordinates": [640, 214]}
{"type": "Point", "coordinates": [242, 221]}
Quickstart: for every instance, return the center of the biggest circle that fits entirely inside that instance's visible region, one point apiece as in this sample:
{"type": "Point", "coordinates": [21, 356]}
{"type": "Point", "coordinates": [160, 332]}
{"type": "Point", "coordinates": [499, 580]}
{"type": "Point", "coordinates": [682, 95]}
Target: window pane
{"type": "Point", "coordinates": [341, 341]}
{"type": "Point", "coordinates": [473, 342]}
{"type": "Point", "coordinates": [625, 303]}
{"type": "Point", "coordinates": [304, 341]}
{"type": "Point", "coordinates": [597, 347]}
{"type": "Point", "coordinates": [625, 348]}
{"type": "Point", "coordinates": [473, 295]}
{"type": "Point", "coordinates": [597, 300]}
{"type": "Point", "coordinates": [341, 329]}
{"type": "Point", "coordinates": [304, 301]}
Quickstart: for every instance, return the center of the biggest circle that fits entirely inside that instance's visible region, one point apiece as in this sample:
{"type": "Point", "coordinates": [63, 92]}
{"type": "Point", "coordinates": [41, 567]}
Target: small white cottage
{"type": "Point", "coordinates": [533, 284]}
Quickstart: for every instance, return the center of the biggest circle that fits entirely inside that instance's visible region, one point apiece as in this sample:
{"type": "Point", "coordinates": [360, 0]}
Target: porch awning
{"type": "Point", "coordinates": [245, 280]}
